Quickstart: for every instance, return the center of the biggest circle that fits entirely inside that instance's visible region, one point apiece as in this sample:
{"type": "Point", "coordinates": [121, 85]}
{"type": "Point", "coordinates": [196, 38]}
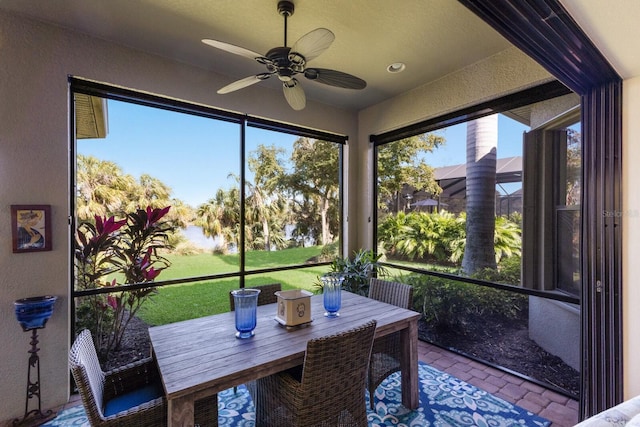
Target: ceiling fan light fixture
{"type": "Point", "coordinates": [396, 67]}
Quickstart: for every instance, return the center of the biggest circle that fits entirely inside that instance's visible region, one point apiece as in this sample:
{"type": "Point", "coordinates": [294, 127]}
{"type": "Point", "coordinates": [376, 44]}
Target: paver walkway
{"type": "Point", "coordinates": [560, 410]}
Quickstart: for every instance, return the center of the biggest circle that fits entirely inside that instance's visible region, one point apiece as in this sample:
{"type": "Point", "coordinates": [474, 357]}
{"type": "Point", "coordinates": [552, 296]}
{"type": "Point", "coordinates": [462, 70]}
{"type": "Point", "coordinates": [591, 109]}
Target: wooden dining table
{"type": "Point", "coordinates": [202, 357]}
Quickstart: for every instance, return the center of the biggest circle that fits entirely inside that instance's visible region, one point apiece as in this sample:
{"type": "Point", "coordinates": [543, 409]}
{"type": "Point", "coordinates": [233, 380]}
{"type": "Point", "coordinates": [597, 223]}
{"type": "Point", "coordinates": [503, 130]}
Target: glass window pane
{"type": "Point", "coordinates": [568, 215]}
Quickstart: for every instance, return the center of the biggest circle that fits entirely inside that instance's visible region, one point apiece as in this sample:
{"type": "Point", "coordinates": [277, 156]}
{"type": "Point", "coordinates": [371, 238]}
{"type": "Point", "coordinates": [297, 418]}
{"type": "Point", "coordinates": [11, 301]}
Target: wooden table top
{"type": "Point", "coordinates": [202, 356]}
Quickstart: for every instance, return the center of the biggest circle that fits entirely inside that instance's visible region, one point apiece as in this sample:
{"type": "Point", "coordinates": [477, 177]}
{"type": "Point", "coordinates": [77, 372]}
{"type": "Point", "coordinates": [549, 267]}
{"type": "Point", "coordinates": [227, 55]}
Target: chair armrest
{"type": "Point", "coordinates": [130, 377]}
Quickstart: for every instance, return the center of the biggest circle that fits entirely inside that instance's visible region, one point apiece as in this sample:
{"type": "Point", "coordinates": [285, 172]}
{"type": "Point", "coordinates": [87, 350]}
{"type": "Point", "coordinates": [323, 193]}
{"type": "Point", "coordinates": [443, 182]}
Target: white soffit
{"type": "Point", "coordinates": [613, 27]}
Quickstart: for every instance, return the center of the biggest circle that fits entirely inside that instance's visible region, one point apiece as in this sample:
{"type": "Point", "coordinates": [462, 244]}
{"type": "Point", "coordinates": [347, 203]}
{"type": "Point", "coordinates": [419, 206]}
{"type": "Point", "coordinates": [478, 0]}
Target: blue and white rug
{"type": "Point", "coordinates": [444, 401]}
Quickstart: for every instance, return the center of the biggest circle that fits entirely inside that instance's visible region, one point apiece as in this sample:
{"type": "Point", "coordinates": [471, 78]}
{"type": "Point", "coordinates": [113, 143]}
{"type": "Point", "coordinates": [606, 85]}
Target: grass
{"type": "Point", "coordinates": [187, 301]}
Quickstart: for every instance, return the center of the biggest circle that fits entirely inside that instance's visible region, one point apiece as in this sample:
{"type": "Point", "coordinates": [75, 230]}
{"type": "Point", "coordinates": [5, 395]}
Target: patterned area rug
{"type": "Point", "coordinates": [444, 401]}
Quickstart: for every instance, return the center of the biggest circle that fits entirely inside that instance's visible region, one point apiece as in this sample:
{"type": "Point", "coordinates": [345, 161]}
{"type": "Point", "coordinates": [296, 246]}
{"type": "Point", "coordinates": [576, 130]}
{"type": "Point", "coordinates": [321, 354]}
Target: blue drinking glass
{"type": "Point", "coordinates": [332, 292]}
{"type": "Point", "coordinates": [246, 304]}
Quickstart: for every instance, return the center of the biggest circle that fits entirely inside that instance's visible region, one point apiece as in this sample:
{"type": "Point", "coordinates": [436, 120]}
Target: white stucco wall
{"type": "Point", "coordinates": [631, 235]}
{"type": "Point", "coordinates": [34, 168]}
{"type": "Point", "coordinates": [555, 326]}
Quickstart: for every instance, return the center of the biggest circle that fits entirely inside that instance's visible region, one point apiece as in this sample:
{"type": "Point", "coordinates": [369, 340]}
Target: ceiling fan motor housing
{"type": "Point", "coordinates": [282, 63]}
{"type": "Point", "coordinates": [285, 8]}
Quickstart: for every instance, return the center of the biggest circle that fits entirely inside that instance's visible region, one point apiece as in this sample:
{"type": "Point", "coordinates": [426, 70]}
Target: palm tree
{"type": "Point", "coordinates": [264, 212]}
{"type": "Point", "coordinates": [219, 216]}
{"type": "Point", "coordinates": [482, 143]}
{"type": "Point", "coordinates": [102, 188]}
{"type": "Point", "coordinates": [153, 192]}
{"type": "Point", "coordinates": [264, 204]}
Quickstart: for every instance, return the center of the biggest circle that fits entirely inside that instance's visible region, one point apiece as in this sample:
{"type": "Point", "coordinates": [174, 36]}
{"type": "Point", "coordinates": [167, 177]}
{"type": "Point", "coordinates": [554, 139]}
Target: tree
{"type": "Point", "coordinates": [401, 164]}
{"type": "Point", "coordinates": [102, 188]}
{"type": "Point", "coordinates": [315, 184]}
{"type": "Point", "coordinates": [264, 202]}
{"type": "Point", "coordinates": [219, 216]}
{"type": "Point", "coordinates": [482, 143]}
{"type": "Point", "coordinates": [152, 192]}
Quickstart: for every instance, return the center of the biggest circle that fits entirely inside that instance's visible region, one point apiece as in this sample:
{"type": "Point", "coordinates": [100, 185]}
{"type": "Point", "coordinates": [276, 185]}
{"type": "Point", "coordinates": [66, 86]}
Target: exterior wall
{"type": "Point", "coordinates": [555, 326]}
{"type": "Point", "coordinates": [34, 165]}
{"type": "Point", "coordinates": [630, 236]}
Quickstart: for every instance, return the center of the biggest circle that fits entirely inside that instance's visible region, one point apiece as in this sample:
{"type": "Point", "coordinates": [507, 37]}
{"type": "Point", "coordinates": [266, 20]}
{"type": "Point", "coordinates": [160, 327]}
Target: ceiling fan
{"type": "Point", "coordinates": [285, 62]}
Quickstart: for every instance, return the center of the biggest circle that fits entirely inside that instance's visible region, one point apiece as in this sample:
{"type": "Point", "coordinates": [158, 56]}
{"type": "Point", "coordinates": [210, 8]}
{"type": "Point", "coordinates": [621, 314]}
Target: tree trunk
{"type": "Point", "coordinates": [482, 143]}
{"type": "Point", "coordinates": [266, 235]}
{"type": "Point", "coordinates": [324, 211]}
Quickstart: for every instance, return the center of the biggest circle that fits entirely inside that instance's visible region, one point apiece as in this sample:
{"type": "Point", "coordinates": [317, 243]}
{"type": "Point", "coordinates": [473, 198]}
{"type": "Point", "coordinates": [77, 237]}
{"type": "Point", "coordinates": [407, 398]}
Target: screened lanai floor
{"type": "Point", "coordinates": [557, 408]}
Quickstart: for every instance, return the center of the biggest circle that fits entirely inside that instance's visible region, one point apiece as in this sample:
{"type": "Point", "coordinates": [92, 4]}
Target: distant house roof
{"type": "Point", "coordinates": [91, 116]}
{"type": "Point", "coordinates": [453, 179]}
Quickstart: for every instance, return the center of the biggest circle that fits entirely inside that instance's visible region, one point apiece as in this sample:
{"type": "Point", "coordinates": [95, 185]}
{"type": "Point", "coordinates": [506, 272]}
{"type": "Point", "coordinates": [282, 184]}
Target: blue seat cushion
{"type": "Point", "coordinates": [133, 398]}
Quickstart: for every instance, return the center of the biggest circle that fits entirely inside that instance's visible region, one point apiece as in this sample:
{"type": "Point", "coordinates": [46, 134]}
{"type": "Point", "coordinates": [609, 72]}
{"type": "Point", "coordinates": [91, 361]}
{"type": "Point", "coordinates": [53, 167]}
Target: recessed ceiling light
{"type": "Point", "coordinates": [396, 67]}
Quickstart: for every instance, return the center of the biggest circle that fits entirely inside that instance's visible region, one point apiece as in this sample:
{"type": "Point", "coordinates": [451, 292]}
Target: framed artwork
{"type": "Point", "coordinates": [31, 228]}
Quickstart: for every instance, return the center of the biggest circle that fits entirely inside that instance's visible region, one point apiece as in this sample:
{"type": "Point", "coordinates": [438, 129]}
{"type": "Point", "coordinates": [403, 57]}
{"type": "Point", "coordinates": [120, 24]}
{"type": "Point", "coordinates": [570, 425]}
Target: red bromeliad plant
{"type": "Point", "coordinates": [130, 248]}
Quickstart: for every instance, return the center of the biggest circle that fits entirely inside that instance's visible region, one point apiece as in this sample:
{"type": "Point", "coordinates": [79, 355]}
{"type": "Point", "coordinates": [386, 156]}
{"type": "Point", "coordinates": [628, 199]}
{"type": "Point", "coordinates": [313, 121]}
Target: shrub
{"type": "Point", "coordinates": [441, 236]}
{"type": "Point", "coordinates": [129, 249]}
{"type": "Point", "coordinates": [507, 272]}
{"type": "Point", "coordinates": [446, 303]}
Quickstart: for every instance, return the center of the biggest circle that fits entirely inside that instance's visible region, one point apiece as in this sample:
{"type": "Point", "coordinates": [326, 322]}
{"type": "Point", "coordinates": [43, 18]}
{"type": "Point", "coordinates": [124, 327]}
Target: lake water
{"type": "Point", "coordinates": [195, 235]}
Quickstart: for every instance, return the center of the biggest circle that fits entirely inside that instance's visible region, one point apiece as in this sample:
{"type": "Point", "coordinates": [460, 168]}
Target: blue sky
{"type": "Point", "coordinates": [194, 155]}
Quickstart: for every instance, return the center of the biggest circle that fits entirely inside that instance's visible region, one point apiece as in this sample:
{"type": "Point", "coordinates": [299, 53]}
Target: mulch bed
{"type": "Point", "coordinates": [135, 345]}
{"type": "Point", "coordinates": [503, 344]}
{"type": "Point", "coordinates": [506, 344]}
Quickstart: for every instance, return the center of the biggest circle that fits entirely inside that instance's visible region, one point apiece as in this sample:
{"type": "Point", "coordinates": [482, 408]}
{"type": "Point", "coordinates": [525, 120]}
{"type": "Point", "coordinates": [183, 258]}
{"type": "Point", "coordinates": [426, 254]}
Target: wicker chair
{"type": "Point", "coordinates": [266, 296]}
{"type": "Point", "coordinates": [385, 355]}
{"type": "Point", "coordinates": [128, 396]}
{"type": "Point", "coordinates": [328, 389]}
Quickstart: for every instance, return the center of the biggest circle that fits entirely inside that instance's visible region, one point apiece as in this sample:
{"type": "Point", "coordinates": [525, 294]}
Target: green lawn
{"type": "Point", "coordinates": [180, 302]}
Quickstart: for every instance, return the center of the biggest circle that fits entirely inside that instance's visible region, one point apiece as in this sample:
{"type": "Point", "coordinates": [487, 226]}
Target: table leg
{"type": "Point", "coordinates": [409, 365]}
{"type": "Point", "coordinates": [180, 412]}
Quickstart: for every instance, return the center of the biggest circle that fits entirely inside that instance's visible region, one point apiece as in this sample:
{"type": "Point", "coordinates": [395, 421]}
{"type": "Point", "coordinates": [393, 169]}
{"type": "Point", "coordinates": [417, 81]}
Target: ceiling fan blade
{"type": "Point", "coordinates": [335, 78]}
{"type": "Point", "coordinates": [242, 83]}
{"type": "Point", "coordinates": [294, 94]}
{"type": "Point", "coordinates": [232, 49]}
{"type": "Point", "coordinates": [312, 44]}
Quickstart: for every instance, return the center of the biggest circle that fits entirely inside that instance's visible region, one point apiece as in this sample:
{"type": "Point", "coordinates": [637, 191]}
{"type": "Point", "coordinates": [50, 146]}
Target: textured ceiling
{"type": "Point", "coordinates": [433, 37]}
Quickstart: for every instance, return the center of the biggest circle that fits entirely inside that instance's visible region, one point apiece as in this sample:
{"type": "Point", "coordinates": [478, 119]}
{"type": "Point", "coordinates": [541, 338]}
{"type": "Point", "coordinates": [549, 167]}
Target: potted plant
{"type": "Point", "coordinates": [357, 271]}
